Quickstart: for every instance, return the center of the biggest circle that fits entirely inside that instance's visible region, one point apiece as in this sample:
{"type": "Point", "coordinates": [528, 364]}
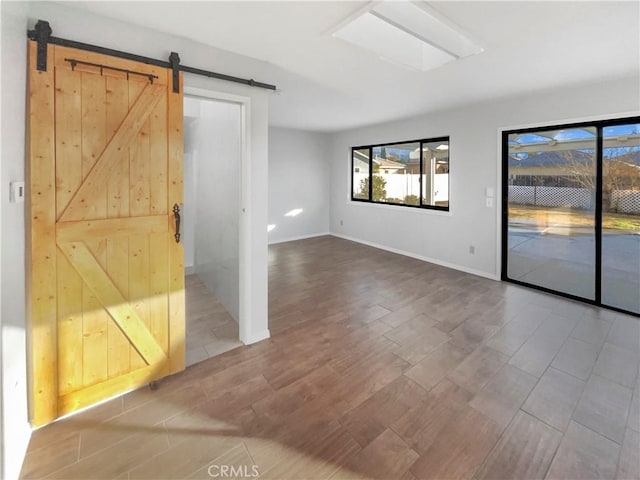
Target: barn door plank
{"type": "Point", "coordinates": [94, 138]}
{"type": "Point", "coordinates": [159, 243]}
{"type": "Point", "coordinates": [41, 276]}
{"type": "Point", "coordinates": [68, 179]}
{"type": "Point", "coordinates": [176, 252]}
{"type": "Point", "coordinates": [68, 140]}
{"type": "Point", "coordinates": [119, 361]}
{"type": "Point", "coordinates": [138, 206]}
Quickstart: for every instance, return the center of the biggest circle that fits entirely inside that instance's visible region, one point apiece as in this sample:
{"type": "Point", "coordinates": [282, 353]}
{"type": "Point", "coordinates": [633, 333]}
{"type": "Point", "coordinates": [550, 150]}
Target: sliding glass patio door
{"type": "Point", "coordinates": [571, 211]}
{"type": "Point", "coordinates": [621, 217]}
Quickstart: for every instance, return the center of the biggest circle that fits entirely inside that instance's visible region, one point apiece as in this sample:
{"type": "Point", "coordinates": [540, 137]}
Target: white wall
{"type": "Point", "coordinates": [298, 179]}
{"type": "Point", "coordinates": [445, 238]}
{"type": "Point", "coordinates": [216, 158]}
{"type": "Point", "coordinates": [70, 23]}
{"type": "Point", "coordinates": [14, 384]}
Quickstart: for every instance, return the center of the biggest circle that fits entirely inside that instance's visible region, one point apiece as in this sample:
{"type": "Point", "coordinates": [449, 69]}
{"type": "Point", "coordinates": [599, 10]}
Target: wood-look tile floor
{"type": "Point", "coordinates": [210, 329]}
{"type": "Point", "coordinates": [379, 366]}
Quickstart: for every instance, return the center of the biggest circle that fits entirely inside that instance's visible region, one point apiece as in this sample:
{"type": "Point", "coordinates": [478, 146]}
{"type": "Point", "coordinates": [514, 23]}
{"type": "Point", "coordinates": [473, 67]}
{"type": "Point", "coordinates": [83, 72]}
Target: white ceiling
{"type": "Point", "coordinates": [327, 84]}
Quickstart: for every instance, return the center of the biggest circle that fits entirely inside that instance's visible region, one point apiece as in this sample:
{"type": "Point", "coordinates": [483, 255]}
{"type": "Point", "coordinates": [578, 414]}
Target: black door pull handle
{"type": "Point", "coordinates": [176, 214]}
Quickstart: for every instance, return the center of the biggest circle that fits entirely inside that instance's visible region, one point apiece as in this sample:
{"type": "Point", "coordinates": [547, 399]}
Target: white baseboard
{"type": "Point", "coordinates": [190, 270]}
{"type": "Point", "coordinates": [298, 237]}
{"type": "Point", "coordinates": [256, 337]}
{"type": "Point", "coordinates": [420, 257]}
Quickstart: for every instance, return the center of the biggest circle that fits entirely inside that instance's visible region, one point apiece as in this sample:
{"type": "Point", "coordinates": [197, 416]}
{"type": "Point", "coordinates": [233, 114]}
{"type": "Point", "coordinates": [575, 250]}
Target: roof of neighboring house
{"type": "Point", "coordinates": [379, 161]}
{"type": "Point", "coordinates": [559, 159]}
{"type": "Point", "coordinates": [361, 156]}
{"type": "Point", "coordinates": [385, 163]}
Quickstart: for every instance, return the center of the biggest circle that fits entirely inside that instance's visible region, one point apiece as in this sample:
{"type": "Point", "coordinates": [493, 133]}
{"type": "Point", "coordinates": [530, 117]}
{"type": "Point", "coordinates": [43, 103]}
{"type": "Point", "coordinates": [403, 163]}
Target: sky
{"type": "Point", "coordinates": [582, 133]}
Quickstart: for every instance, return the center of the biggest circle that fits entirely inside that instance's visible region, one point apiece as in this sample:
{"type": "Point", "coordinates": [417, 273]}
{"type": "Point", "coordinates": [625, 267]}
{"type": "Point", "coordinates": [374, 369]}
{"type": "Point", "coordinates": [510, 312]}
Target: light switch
{"type": "Point", "coordinates": [489, 192]}
{"type": "Point", "coordinates": [16, 192]}
{"type": "Point", "coordinates": [489, 202]}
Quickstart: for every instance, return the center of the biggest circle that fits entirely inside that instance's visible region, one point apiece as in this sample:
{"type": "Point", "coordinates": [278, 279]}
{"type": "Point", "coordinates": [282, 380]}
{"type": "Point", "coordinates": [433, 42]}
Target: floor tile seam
{"type": "Point", "coordinates": [484, 462]}
{"type": "Point", "coordinates": [538, 382]}
{"type": "Point", "coordinates": [626, 387]}
{"type": "Point", "coordinates": [590, 428]}
{"type": "Point", "coordinates": [51, 474]}
{"type": "Point", "coordinates": [598, 433]}
{"type": "Point", "coordinates": [527, 339]}
{"type": "Point", "coordinates": [496, 443]}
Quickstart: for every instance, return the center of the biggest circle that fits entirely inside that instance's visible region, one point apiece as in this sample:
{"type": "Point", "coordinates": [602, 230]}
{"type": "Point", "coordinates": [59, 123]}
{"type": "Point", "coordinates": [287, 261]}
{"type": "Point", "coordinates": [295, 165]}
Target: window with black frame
{"type": "Point", "coordinates": [413, 173]}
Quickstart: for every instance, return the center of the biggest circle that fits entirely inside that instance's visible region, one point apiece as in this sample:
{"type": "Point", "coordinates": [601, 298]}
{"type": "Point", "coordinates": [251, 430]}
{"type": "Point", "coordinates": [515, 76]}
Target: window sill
{"type": "Point", "coordinates": [429, 211]}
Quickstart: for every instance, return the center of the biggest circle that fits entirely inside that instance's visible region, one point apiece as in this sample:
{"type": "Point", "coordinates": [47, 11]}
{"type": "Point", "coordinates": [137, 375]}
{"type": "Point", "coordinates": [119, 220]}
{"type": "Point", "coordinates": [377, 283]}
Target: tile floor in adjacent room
{"type": "Point", "coordinates": [380, 366]}
{"type": "Point", "coordinates": [210, 329]}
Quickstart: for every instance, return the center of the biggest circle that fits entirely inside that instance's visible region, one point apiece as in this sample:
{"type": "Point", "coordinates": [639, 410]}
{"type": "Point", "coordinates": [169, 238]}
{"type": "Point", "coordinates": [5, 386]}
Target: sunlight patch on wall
{"type": "Point", "coordinates": [293, 213]}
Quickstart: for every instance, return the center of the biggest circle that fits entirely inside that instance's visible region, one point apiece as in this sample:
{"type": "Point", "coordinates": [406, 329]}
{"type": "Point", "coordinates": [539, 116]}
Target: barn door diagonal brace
{"type": "Point", "coordinates": [41, 34]}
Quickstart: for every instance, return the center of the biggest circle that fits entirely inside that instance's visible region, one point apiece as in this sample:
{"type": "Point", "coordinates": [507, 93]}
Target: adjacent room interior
{"type": "Point", "coordinates": [212, 159]}
{"type": "Point", "coordinates": [323, 240]}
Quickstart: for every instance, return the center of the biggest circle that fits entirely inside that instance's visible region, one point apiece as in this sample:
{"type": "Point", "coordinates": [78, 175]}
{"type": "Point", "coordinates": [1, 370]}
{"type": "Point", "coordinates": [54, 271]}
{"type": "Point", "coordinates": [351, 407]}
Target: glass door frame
{"type": "Point", "coordinates": [599, 125]}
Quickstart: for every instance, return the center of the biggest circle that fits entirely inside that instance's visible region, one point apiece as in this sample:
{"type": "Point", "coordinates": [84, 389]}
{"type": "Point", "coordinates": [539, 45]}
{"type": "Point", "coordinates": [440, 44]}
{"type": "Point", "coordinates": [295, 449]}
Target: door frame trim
{"type": "Point", "coordinates": [599, 121]}
{"type": "Point", "coordinates": [246, 335]}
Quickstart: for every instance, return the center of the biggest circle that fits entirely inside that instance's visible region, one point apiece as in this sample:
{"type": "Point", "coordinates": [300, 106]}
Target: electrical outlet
{"type": "Point", "coordinates": [472, 249]}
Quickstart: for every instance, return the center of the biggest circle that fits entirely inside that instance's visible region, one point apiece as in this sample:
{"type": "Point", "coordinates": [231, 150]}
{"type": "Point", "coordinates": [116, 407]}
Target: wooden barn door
{"type": "Point", "coordinates": [105, 272]}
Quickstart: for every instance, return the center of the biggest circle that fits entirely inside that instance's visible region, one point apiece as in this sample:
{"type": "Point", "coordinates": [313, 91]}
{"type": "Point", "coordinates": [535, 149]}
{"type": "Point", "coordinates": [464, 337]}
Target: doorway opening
{"type": "Point", "coordinates": [571, 211]}
{"type": "Point", "coordinates": [213, 146]}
